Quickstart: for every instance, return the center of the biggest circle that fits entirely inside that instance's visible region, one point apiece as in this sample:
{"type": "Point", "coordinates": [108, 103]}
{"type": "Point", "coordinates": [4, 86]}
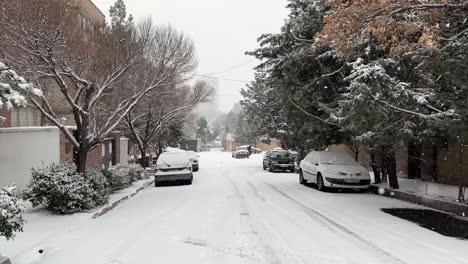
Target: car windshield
{"type": "Point", "coordinates": [192, 154]}
{"type": "Point", "coordinates": [336, 158]}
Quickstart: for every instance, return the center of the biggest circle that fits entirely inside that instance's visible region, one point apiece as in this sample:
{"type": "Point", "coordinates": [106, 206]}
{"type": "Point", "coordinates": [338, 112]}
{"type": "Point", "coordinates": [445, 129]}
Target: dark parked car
{"type": "Point", "coordinates": [278, 159]}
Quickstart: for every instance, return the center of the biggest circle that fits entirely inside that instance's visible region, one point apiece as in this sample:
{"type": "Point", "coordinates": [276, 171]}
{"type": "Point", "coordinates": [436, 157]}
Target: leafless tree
{"type": "Point", "coordinates": [147, 121]}
{"type": "Point", "coordinates": [90, 68]}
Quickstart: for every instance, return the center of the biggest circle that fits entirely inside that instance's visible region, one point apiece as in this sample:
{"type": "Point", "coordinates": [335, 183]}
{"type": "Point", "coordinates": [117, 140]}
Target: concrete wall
{"type": "Point", "coordinates": [123, 159]}
{"type": "Point", "coordinates": [24, 148]}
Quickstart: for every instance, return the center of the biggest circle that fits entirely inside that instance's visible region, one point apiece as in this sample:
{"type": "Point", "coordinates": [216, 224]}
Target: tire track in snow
{"type": "Point", "coordinates": [317, 215]}
{"type": "Point", "coordinates": [411, 241]}
{"type": "Point", "coordinates": [270, 253]}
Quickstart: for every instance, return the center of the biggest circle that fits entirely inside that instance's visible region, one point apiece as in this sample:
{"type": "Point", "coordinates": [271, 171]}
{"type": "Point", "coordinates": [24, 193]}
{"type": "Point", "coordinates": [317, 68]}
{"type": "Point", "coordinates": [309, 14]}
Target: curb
{"type": "Point", "coordinates": [441, 205]}
{"type": "Point", "coordinates": [115, 204]}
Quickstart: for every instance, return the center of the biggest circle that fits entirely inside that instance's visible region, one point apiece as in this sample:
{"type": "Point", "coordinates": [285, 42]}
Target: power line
{"type": "Point", "coordinates": [232, 68]}
{"type": "Point", "coordinates": [224, 79]}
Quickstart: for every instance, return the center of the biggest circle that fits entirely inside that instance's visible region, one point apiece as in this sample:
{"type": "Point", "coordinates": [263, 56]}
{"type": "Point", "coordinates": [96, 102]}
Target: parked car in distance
{"type": "Point", "coordinates": [173, 167]}
{"type": "Point", "coordinates": [333, 170]}
{"type": "Point", "coordinates": [194, 160]}
{"type": "Point", "coordinates": [278, 159]}
{"type": "Point", "coordinates": [241, 152]}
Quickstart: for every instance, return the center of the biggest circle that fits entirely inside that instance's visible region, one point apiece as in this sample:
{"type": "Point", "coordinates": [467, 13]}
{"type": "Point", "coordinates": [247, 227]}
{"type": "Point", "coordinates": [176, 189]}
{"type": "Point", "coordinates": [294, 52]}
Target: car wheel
{"type": "Point", "coordinates": [301, 178]}
{"type": "Point", "coordinates": [189, 182]}
{"type": "Point", "coordinates": [320, 184]}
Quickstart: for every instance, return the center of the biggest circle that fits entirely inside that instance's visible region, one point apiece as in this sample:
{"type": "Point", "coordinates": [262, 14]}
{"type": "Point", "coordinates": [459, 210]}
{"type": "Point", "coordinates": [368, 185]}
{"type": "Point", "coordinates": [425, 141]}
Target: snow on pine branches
{"type": "Point", "coordinates": [13, 88]}
{"type": "Point", "coordinates": [11, 219]}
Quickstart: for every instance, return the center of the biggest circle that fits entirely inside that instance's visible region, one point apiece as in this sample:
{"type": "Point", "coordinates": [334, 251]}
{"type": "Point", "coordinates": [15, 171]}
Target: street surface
{"type": "Point", "coordinates": [237, 213]}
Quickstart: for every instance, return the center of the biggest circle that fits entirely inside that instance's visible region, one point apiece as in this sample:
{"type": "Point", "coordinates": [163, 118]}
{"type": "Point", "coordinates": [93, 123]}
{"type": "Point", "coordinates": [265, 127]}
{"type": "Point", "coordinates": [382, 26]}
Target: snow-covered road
{"type": "Point", "coordinates": [237, 213]}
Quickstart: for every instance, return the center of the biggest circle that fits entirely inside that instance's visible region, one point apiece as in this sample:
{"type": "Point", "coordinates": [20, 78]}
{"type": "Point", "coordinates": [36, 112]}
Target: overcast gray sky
{"type": "Point", "coordinates": [222, 30]}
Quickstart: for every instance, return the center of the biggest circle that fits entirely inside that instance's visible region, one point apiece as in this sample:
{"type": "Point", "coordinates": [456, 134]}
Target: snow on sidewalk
{"type": "Point", "coordinates": [427, 189]}
{"type": "Point", "coordinates": [41, 224]}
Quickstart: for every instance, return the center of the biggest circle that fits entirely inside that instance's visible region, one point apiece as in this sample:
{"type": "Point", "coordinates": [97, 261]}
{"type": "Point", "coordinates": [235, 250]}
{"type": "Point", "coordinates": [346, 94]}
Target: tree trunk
{"type": "Point", "coordinates": [143, 160]}
{"type": "Point", "coordinates": [81, 160]}
{"type": "Point", "coordinates": [461, 190]}
{"type": "Point", "coordinates": [375, 168]}
{"type": "Point", "coordinates": [390, 166]}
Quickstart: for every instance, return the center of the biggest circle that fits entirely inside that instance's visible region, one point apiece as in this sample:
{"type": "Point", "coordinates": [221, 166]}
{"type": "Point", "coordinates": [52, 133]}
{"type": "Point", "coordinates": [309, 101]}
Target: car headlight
{"type": "Point", "coordinates": [342, 173]}
{"type": "Point", "coordinates": [358, 174]}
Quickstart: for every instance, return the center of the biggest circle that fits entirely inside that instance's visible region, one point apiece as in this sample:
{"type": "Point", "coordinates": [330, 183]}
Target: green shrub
{"type": "Point", "coordinates": [118, 177]}
{"type": "Point", "coordinates": [137, 172]}
{"type": "Point", "coordinates": [62, 190]}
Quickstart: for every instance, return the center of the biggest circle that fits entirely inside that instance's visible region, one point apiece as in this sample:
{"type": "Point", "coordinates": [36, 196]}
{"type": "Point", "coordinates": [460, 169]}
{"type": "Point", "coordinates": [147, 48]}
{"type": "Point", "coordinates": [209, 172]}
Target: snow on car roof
{"type": "Point", "coordinates": [173, 157]}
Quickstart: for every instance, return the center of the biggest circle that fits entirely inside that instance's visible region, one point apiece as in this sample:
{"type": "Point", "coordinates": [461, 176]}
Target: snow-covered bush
{"type": "Point", "coordinates": [118, 177]}
{"type": "Point", "coordinates": [137, 172]}
{"type": "Point", "coordinates": [11, 219]}
{"type": "Point", "coordinates": [63, 190]}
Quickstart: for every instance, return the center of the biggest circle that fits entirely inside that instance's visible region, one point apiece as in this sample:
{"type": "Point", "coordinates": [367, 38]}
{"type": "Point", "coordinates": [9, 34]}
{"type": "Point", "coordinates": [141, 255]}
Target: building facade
{"type": "Point", "coordinates": [90, 17]}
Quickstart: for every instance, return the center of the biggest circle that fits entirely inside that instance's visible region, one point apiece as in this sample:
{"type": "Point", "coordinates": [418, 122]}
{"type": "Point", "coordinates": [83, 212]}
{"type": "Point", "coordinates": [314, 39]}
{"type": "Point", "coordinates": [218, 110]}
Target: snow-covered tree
{"type": "Point", "coordinates": [149, 120]}
{"type": "Point", "coordinates": [90, 68]}
{"type": "Point", "coordinates": [291, 74]}
{"type": "Point", "coordinates": [14, 89]}
{"type": "Point", "coordinates": [120, 20]}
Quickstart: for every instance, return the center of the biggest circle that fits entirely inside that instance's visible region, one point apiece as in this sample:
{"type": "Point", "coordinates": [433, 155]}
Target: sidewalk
{"type": "Point", "coordinates": [42, 224]}
{"type": "Point", "coordinates": [434, 195]}
{"type": "Point", "coordinates": [429, 189]}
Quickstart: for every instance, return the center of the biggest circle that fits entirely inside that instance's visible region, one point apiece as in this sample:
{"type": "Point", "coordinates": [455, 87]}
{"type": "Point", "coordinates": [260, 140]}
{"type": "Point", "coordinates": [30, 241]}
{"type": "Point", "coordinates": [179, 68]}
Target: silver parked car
{"type": "Point", "coordinates": [333, 170]}
{"type": "Point", "coordinates": [173, 167]}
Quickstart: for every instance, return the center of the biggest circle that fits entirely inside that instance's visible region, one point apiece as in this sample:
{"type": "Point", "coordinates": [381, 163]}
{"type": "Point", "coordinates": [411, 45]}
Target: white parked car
{"type": "Point", "coordinates": [194, 159]}
{"type": "Point", "coordinates": [172, 167]}
{"type": "Point", "coordinates": [333, 170]}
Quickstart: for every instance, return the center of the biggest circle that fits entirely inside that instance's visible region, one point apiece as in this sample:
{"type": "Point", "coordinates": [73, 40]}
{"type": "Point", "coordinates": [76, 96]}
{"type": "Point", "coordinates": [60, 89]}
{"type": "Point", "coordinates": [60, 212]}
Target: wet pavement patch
{"type": "Point", "coordinates": [442, 223]}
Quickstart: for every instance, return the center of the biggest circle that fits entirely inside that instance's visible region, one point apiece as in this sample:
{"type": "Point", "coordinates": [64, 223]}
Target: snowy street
{"type": "Point", "coordinates": [237, 213]}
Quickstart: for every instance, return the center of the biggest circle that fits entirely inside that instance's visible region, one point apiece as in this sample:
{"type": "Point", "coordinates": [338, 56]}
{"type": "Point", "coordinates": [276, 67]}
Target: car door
{"type": "Point", "coordinates": [306, 166]}
{"type": "Point", "coordinates": [314, 166]}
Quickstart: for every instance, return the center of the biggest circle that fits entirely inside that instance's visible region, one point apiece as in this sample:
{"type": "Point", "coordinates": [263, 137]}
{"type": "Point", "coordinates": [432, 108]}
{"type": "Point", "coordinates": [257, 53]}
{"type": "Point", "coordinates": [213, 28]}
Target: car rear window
{"type": "Point", "coordinates": [280, 154]}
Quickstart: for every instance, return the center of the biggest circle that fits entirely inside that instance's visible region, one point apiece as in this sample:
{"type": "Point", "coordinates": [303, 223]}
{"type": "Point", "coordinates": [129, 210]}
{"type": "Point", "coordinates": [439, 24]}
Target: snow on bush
{"type": "Point", "coordinates": [119, 177]}
{"type": "Point", "coordinates": [62, 190]}
{"type": "Point", "coordinates": [11, 219]}
{"type": "Point", "coordinates": [137, 172]}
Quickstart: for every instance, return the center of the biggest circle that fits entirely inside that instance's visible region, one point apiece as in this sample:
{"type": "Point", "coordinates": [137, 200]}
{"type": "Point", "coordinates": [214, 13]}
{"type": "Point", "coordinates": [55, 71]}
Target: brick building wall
{"type": "Point", "coordinates": [95, 157]}
{"type": "Point", "coordinates": [7, 115]}
{"type": "Point", "coordinates": [66, 149]}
